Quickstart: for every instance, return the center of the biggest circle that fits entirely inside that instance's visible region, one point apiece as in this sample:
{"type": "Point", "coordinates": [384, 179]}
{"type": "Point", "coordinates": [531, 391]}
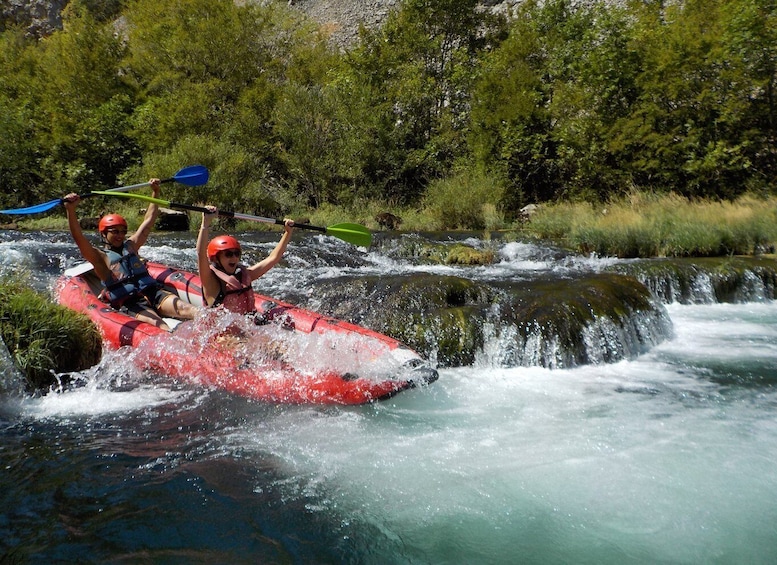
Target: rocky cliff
{"type": "Point", "coordinates": [341, 18]}
{"type": "Point", "coordinates": [40, 17]}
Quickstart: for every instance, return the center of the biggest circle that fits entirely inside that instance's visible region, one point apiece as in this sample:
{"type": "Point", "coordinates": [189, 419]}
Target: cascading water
{"type": "Point", "coordinates": [663, 456]}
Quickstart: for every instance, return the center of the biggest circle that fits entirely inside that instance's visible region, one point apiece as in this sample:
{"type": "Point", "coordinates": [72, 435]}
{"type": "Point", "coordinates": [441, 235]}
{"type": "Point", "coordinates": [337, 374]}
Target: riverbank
{"type": "Point", "coordinates": [41, 338]}
{"type": "Point", "coordinates": [639, 225]}
{"type": "Point", "coordinates": [647, 225]}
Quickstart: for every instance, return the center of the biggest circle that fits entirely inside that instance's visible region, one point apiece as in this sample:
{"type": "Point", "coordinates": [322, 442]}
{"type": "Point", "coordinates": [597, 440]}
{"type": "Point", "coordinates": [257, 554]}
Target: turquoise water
{"type": "Point", "coordinates": [667, 458]}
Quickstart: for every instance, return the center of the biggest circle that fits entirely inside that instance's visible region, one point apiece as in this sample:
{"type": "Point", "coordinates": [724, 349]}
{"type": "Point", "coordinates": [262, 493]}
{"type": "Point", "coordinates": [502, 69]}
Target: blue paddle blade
{"type": "Point", "coordinates": [37, 209]}
{"type": "Point", "coordinates": [195, 175]}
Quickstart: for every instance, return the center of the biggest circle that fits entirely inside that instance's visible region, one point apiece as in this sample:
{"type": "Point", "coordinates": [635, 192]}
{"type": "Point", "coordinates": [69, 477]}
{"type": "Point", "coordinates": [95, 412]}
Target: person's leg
{"type": "Point", "coordinates": [171, 306]}
{"type": "Point", "coordinates": [142, 310]}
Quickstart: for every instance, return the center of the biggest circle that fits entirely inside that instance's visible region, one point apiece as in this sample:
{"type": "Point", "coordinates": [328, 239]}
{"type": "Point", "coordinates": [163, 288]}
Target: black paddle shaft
{"type": "Point", "coordinates": [239, 216]}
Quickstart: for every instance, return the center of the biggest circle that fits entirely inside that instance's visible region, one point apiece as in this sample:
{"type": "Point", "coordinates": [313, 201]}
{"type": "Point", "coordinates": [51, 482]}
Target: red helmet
{"type": "Point", "coordinates": [110, 221]}
{"type": "Point", "coordinates": [221, 243]}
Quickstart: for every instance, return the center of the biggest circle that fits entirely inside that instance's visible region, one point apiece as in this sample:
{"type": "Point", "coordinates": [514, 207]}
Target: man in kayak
{"type": "Point", "coordinates": [225, 280]}
{"type": "Point", "coordinates": [128, 285]}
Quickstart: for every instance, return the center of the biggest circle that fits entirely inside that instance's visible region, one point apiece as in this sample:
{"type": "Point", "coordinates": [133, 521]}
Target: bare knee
{"type": "Point", "coordinates": [184, 309]}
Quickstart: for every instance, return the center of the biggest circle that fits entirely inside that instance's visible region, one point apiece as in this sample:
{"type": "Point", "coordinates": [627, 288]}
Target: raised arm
{"type": "Point", "coordinates": [144, 230]}
{"type": "Point", "coordinates": [260, 268]}
{"type": "Point", "coordinates": [210, 283]}
{"type": "Point", "coordinates": [88, 251]}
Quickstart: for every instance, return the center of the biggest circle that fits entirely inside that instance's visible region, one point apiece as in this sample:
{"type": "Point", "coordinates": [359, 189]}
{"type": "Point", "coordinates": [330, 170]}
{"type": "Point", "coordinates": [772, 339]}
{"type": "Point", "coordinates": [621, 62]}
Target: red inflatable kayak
{"type": "Point", "coordinates": [298, 356]}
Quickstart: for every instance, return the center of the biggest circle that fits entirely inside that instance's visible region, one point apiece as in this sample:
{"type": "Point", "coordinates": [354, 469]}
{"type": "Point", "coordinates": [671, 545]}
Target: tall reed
{"type": "Point", "coordinates": [649, 225]}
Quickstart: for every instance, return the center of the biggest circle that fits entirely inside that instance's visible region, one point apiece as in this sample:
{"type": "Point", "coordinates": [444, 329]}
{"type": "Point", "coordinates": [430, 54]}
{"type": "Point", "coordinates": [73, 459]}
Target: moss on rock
{"type": "Point", "coordinates": [44, 338]}
{"type": "Point", "coordinates": [561, 322]}
{"type": "Point", "coordinates": [467, 255]}
{"type": "Point", "coordinates": [433, 252]}
{"type": "Point", "coordinates": [706, 280]}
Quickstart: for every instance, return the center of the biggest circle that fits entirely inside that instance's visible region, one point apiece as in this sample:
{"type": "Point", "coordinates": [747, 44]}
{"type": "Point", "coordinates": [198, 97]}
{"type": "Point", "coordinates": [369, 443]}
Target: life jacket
{"type": "Point", "coordinates": [129, 278]}
{"type": "Point", "coordinates": [235, 295]}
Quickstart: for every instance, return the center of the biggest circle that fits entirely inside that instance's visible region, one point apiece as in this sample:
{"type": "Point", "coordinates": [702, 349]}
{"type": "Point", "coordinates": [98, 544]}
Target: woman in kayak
{"type": "Point", "coordinates": [128, 285]}
{"type": "Point", "coordinates": [225, 280]}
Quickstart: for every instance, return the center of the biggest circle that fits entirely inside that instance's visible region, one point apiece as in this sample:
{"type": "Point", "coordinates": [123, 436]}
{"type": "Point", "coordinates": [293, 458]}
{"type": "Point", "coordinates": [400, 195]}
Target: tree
{"type": "Point", "coordinates": [548, 98]}
{"type": "Point", "coordinates": [419, 67]}
{"type": "Point", "coordinates": [692, 129]}
{"type": "Point", "coordinates": [19, 150]}
{"type": "Point", "coordinates": [190, 60]}
{"type": "Point", "coordinates": [749, 44]}
{"type": "Point", "coordinates": [84, 104]}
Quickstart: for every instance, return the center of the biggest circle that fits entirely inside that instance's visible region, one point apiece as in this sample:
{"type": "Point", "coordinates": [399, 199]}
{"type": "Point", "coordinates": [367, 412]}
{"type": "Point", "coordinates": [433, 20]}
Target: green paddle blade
{"type": "Point", "coordinates": [352, 233]}
{"type": "Point", "coordinates": [143, 197]}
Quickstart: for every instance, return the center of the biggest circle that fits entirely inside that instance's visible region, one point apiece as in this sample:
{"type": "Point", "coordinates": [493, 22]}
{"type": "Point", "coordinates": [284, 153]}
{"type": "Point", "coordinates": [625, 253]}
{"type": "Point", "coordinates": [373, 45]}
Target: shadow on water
{"type": "Point", "coordinates": [157, 485]}
{"type": "Point", "coordinates": [664, 458]}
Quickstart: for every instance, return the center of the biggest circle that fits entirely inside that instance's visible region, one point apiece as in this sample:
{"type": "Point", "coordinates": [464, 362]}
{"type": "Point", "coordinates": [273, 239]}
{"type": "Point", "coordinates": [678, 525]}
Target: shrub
{"type": "Point", "coordinates": [467, 200]}
{"type": "Point", "coordinates": [44, 338]}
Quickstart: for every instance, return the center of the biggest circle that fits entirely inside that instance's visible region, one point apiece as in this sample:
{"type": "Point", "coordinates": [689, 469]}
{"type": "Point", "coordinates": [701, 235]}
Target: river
{"type": "Point", "coordinates": [665, 458]}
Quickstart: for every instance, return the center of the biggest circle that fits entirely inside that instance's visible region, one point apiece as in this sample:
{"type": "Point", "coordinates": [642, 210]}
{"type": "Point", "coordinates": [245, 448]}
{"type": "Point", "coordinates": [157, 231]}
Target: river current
{"type": "Point", "coordinates": [665, 458]}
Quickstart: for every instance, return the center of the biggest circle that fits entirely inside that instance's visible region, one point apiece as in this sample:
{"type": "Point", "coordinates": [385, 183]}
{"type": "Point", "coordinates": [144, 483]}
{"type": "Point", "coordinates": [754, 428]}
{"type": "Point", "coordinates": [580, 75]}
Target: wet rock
{"type": "Point", "coordinates": [594, 318]}
{"type": "Point", "coordinates": [90, 223]}
{"type": "Point", "coordinates": [172, 220]}
{"type": "Point", "coordinates": [706, 280]}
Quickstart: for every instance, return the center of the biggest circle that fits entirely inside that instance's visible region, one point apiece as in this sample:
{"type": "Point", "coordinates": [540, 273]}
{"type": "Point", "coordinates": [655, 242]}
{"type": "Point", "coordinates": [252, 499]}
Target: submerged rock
{"type": "Point", "coordinates": [593, 318]}
{"type": "Point", "coordinates": [706, 280]}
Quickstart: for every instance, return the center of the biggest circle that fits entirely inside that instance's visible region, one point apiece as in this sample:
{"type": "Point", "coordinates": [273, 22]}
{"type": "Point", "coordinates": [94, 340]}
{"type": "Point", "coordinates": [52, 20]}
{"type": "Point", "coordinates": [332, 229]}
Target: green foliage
{"type": "Point", "coordinates": [565, 100]}
{"type": "Point", "coordinates": [238, 180]}
{"type": "Point", "coordinates": [548, 97]}
{"type": "Point", "coordinates": [468, 199]}
{"type": "Point", "coordinates": [44, 338]}
{"type": "Point", "coordinates": [101, 10]}
{"type": "Point", "coordinates": [419, 68]}
{"type": "Point", "coordinates": [649, 225]}
{"type": "Point", "coordinates": [190, 60]}
{"type": "Point", "coordinates": [312, 143]}
{"type": "Point", "coordinates": [19, 150]}
{"type": "Point", "coordinates": [691, 128]}
{"type": "Point", "coordinates": [84, 102]}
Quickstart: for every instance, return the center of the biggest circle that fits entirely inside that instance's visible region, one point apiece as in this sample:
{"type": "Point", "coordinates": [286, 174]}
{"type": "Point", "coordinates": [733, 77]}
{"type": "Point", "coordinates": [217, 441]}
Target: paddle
{"type": "Point", "coordinates": [351, 233]}
{"type": "Point", "coordinates": [195, 175]}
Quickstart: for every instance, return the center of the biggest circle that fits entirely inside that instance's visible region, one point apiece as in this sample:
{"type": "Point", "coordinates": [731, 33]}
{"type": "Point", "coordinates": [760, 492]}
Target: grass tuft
{"type": "Point", "coordinates": [44, 338]}
{"type": "Point", "coordinates": [647, 225]}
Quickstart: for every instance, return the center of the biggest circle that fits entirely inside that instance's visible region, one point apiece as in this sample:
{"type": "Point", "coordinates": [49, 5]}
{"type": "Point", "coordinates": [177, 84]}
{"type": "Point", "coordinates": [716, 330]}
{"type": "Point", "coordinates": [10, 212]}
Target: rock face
{"type": "Point", "coordinates": [340, 18]}
{"type": "Point", "coordinates": [40, 17]}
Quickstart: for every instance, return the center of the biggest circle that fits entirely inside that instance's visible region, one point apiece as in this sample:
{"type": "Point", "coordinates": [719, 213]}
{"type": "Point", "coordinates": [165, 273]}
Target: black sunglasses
{"type": "Point", "coordinates": [116, 230]}
{"type": "Point", "coordinates": [232, 253]}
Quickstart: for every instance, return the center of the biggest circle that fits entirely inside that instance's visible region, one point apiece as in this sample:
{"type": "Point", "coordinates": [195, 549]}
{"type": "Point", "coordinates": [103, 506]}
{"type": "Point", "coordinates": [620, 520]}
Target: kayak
{"type": "Point", "coordinates": [286, 354]}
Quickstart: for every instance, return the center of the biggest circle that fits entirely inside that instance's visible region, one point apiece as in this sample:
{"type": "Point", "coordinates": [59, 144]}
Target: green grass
{"type": "Point", "coordinates": [646, 225]}
{"type": "Point", "coordinates": [637, 225]}
{"type": "Point", "coordinates": [44, 338]}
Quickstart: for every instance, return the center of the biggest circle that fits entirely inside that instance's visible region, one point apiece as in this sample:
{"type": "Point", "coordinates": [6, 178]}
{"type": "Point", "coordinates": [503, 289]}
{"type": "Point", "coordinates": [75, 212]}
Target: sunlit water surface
{"type": "Point", "coordinates": [667, 458]}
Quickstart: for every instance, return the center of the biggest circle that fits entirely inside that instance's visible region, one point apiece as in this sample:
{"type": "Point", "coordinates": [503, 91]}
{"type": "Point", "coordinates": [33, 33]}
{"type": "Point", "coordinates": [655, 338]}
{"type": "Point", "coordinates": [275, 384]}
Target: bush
{"type": "Point", "coordinates": [646, 225]}
{"type": "Point", "coordinates": [44, 338]}
{"type": "Point", "coordinates": [467, 200]}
